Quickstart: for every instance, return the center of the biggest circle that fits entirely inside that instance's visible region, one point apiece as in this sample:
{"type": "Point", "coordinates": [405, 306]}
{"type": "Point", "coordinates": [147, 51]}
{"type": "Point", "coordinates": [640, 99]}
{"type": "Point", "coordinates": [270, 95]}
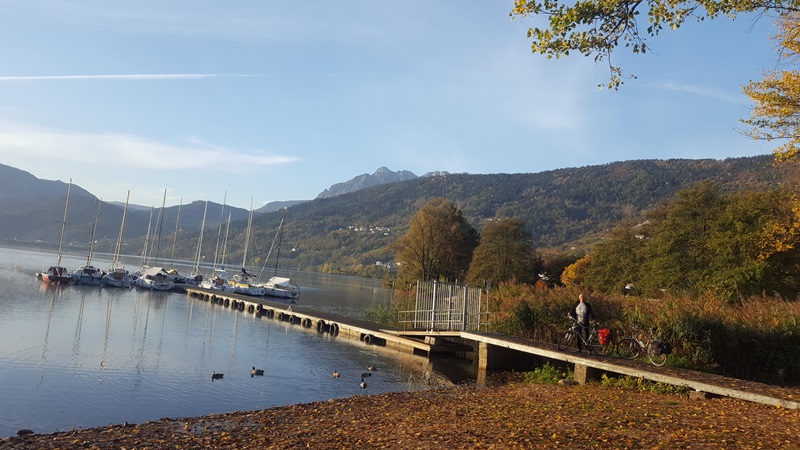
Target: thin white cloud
{"type": "Point", "coordinates": [702, 91]}
{"type": "Point", "coordinates": [20, 141]}
{"type": "Point", "coordinates": [148, 76]}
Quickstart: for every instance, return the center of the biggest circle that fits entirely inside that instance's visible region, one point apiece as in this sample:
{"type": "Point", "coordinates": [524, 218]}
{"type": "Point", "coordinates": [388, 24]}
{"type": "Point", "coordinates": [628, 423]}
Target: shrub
{"type": "Point", "coordinates": [546, 374]}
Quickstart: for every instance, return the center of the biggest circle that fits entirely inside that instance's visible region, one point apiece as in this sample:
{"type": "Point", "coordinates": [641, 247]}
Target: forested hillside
{"type": "Point", "coordinates": [348, 233]}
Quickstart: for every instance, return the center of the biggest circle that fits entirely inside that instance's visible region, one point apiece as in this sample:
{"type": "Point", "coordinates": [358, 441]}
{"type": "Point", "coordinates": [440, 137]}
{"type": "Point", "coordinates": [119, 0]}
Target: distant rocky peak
{"type": "Point", "coordinates": [437, 173]}
{"type": "Point", "coordinates": [381, 176]}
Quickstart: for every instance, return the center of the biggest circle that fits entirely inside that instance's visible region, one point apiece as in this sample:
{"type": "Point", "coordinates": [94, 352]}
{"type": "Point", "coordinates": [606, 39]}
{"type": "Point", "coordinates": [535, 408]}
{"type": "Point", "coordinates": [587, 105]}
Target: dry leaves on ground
{"type": "Point", "coordinates": [516, 415]}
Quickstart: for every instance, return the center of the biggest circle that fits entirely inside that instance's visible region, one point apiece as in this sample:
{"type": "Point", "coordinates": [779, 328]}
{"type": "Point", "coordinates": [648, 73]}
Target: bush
{"type": "Point", "coordinates": [380, 314]}
{"type": "Point", "coordinates": [546, 374]}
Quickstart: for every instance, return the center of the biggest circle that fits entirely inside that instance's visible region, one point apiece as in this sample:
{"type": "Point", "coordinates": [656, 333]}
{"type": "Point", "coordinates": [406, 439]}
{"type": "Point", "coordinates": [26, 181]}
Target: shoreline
{"type": "Point", "coordinates": [512, 414]}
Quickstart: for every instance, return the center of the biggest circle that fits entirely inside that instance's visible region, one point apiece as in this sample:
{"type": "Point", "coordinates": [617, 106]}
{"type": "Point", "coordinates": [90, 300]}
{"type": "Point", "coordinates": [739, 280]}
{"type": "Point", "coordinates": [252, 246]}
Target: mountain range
{"type": "Point", "coordinates": [348, 226]}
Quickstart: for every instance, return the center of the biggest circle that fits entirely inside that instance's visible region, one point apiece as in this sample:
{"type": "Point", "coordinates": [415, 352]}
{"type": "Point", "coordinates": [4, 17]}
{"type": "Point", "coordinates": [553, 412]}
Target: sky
{"type": "Point", "coordinates": [251, 101]}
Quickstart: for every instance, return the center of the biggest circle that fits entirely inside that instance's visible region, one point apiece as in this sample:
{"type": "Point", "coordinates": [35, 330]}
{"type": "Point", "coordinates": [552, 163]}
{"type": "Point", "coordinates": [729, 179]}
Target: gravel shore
{"type": "Point", "coordinates": [512, 415]}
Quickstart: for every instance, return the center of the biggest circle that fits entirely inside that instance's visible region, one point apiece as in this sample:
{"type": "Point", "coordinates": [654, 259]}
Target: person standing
{"type": "Point", "coordinates": [582, 313]}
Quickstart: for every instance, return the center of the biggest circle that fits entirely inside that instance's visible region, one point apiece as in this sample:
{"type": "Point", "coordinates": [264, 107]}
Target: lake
{"type": "Point", "coordinates": [87, 356]}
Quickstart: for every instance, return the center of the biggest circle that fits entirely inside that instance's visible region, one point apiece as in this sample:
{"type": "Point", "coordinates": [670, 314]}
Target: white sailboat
{"type": "Point", "coordinates": [243, 283]}
{"type": "Point", "coordinates": [117, 275]}
{"type": "Point", "coordinates": [156, 278]}
{"type": "Point", "coordinates": [219, 278]}
{"type": "Point", "coordinates": [57, 274]}
{"type": "Point", "coordinates": [280, 287]}
{"type": "Point", "coordinates": [87, 273]}
{"type": "Point", "coordinates": [196, 278]}
{"type": "Point", "coordinates": [174, 275]}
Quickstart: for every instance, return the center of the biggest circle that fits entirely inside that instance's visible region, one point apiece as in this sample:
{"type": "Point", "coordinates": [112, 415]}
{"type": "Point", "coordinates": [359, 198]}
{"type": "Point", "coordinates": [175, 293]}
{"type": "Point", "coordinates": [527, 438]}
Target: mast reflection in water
{"type": "Point", "coordinates": [86, 356]}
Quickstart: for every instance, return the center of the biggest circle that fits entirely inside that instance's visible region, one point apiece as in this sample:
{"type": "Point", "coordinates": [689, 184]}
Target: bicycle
{"type": "Point", "coordinates": [598, 341]}
{"type": "Point", "coordinates": [639, 343]}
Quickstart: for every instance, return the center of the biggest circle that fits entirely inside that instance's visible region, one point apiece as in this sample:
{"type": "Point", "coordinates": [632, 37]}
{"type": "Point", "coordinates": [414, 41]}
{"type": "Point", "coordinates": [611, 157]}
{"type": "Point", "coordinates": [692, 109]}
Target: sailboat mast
{"type": "Point", "coordinates": [94, 229]}
{"type": "Point", "coordinates": [147, 237]}
{"type": "Point", "coordinates": [247, 236]}
{"type": "Point", "coordinates": [177, 229]}
{"type": "Point", "coordinates": [160, 224]}
{"type": "Point", "coordinates": [225, 243]}
{"type": "Point", "coordinates": [200, 242]}
{"type": "Point", "coordinates": [121, 230]}
{"type": "Point", "coordinates": [280, 239]}
{"type": "Point", "coordinates": [63, 224]}
{"type": "Point", "coordinates": [219, 231]}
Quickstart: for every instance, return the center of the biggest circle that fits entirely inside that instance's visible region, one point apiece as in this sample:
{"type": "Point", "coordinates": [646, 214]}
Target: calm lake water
{"type": "Point", "coordinates": [86, 356]}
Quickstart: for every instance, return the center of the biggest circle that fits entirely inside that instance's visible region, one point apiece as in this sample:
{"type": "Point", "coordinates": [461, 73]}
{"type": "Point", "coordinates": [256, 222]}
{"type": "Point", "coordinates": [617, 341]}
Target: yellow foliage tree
{"type": "Point", "coordinates": [598, 27]}
{"type": "Point", "coordinates": [776, 114]}
{"type": "Point", "coordinates": [573, 274]}
{"type": "Point", "coordinates": [781, 232]}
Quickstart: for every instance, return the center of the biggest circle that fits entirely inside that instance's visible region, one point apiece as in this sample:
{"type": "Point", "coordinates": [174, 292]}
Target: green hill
{"type": "Point", "coordinates": [348, 233]}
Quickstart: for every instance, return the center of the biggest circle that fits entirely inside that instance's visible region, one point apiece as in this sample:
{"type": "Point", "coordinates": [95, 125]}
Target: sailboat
{"type": "Point", "coordinates": [219, 279]}
{"type": "Point", "coordinates": [156, 278]}
{"type": "Point", "coordinates": [280, 287]}
{"type": "Point", "coordinates": [243, 282]}
{"type": "Point", "coordinates": [87, 273]}
{"type": "Point", "coordinates": [196, 278]}
{"type": "Point", "coordinates": [174, 275]}
{"type": "Point", "coordinates": [57, 274]}
{"type": "Point", "coordinates": [118, 276]}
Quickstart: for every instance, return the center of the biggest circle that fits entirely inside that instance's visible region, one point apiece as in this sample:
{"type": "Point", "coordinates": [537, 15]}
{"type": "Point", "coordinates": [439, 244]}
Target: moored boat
{"type": "Point", "coordinates": [87, 273]}
{"type": "Point", "coordinates": [56, 273]}
{"type": "Point", "coordinates": [155, 278]}
{"type": "Point", "coordinates": [244, 283]}
{"type": "Point", "coordinates": [281, 287]}
{"type": "Point", "coordinates": [219, 281]}
{"type": "Point", "coordinates": [117, 275]}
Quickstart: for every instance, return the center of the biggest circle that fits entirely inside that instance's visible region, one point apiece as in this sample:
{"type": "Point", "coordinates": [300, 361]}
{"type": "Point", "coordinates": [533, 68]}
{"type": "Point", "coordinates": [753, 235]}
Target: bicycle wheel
{"type": "Point", "coordinates": [566, 340]}
{"type": "Point", "coordinates": [658, 359]}
{"type": "Point", "coordinates": [629, 348]}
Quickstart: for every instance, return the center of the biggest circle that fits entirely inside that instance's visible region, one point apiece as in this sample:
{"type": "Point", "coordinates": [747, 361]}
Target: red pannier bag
{"type": "Point", "coordinates": [603, 334]}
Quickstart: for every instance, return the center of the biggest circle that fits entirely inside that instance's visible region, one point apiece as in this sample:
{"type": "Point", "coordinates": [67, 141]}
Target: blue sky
{"type": "Point", "coordinates": [270, 100]}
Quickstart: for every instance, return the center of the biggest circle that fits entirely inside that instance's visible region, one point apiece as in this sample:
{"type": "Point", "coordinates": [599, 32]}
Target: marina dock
{"type": "Point", "coordinates": [493, 351]}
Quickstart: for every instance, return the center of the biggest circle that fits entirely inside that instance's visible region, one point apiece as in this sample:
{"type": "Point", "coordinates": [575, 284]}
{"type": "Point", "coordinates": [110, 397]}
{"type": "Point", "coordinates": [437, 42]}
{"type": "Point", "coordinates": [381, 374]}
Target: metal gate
{"type": "Point", "coordinates": [443, 306]}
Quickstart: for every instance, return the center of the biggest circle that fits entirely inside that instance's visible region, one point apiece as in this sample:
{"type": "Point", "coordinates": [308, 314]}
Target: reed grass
{"type": "Point", "coordinates": [757, 338]}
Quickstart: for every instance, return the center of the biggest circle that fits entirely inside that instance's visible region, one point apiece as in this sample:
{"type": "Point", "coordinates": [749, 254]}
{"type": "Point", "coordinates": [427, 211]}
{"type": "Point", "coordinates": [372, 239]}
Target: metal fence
{"type": "Point", "coordinates": [446, 307]}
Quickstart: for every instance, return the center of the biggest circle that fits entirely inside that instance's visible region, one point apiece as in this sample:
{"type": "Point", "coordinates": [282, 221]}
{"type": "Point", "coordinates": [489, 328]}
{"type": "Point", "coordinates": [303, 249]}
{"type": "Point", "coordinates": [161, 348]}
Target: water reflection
{"type": "Point", "coordinates": [47, 332]}
{"type": "Point", "coordinates": [76, 340]}
{"type": "Point", "coordinates": [115, 355]}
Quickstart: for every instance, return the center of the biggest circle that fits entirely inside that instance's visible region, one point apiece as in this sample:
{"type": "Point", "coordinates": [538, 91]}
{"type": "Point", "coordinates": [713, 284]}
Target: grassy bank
{"type": "Point", "coordinates": [757, 339]}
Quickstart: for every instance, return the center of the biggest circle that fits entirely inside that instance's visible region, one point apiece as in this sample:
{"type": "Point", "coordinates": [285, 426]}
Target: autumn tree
{"type": "Point", "coordinates": [731, 245]}
{"type": "Point", "coordinates": [573, 274]}
{"type": "Point", "coordinates": [616, 262]}
{"type": "Point", "coordinates": [776, 114]}
{"type": "Point", "coordinates": [505, 252]}
{"type": "Point", "coordinates": [438, 244]}
{"type": "Point", "coordinates": [595, 28]}
{"type": "Point", "coordinates": [678, 255]}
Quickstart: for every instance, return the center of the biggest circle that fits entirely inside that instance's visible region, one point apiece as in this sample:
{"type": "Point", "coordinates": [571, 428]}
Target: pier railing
{"type": "Point", "coordinates": [443, 306]}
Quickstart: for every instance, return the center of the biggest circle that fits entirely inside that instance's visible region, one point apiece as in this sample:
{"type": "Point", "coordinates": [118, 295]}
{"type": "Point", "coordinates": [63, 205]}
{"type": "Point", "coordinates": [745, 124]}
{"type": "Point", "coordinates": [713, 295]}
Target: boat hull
{"type": "Point", "coordinates": [88, 275]}
{"type": "Point", "coordinates": [154, 284]}
{"type": "Point", "coordinates": [56, 275]}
